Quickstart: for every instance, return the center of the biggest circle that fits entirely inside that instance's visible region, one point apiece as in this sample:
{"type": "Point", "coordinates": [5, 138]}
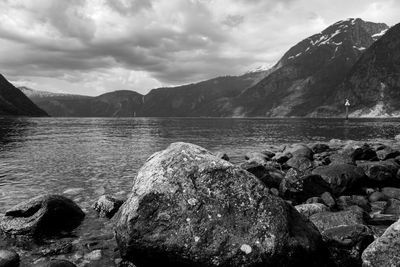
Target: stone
{"type": "Point", "coordinates": [319, 148]}
{"type": "Point", "coordinates": [60, 263]}
{"type": "Point", "coordinates": [380, 171]}
{"type": "Point", "coordinates": [9, 258]}
{"type": "Point", "coordinates": [300, 150]}
{"type": "Point", "coordinates": [387, 153]}
{"type": "Point", "coordinates": [393, 207]}
{"type": "Point", "coordinates": [95, 255]}
{"type": "Point", "coordinates": [377, 196]}
{"type": "Point", "coordinates": [299, 189]}
{"type": "Point", "coordinates": [391, 192]}
{"type": "Point", "coordinates": [328, 200]}
{"type": "Point", "coordinates": [45, 214]}
{"type": "Point", "coordinates": [343, 202]}
{"type": "Point", "coordinates": [232, 220]}
{"type": "Point", "coordinates": [378, 206]}
{"type": "Point", "coordinates": [327, 220]}
{"type": "Point", "coordinates": [346, 243]}
{"type": "Point", "coordinates": [300, 163]}
{"type": "Point", "coordinates": [222, 155]}
{"type": "Point", "coordinates": [341, 177]}
{"type": "Point", "coordinates": [385, 250]}
{"type": "Point", "coordinates": [365, 152]}
{"type": "Point", "coordinates": [313, 200]}
{"type": "Point", "coordinates": [271, 177]}
{"type": "Point", "coordinates": [309, 209]}
{"type": "Point", "coordinates": [339, 158]}
{"type": "Point", "coordinates": [107, 206]}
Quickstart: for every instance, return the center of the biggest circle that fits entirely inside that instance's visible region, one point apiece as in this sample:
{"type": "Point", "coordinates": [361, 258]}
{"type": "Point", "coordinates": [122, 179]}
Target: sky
{"type": "Point", "coordinates": [95, 46]}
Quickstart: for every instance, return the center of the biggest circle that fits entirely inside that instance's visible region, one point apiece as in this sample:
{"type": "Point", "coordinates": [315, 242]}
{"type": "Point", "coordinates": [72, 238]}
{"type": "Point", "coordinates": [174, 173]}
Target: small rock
{"type": "Point", "coordinates": [222, 155]}
{"type": "Point", "coordinates": [95, 255]}
{"type": "Point", "coordinates": [328, 200]}
{"type": "Point", "coordinates": [377, 196]}
{"type": "Point", "coordinates": [107, 206]}
{"type": "Point", "coordinates": [319, 148]}
{"type": "Point", "coordinates": [343, 202]}
{"type": "Point", "coordinates": [327, 220]}
{"type": "Point", "coordinates": [60, 263]}
{"type": "Point", "coordinates": [378, 206]}
{"type": "Point", "coordinates": [9, 258]}
{"type": "Point", "coordinates": [309, 209]}
{"type": "Point", "coordinates": [391, 192]}
{"type": "Point", "coordinates": [300, 163]}
{"type": "Point", "coordinates": [393, 207]}
{"type": "Point", "coordinates": [246, 248]}
{"type": "Point", "coordinates": [313, 200]}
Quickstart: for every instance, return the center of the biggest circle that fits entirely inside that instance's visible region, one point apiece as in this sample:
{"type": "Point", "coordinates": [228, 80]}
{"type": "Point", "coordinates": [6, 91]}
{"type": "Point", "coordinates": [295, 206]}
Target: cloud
{"type": "Point", "coordinates": [92, 46]}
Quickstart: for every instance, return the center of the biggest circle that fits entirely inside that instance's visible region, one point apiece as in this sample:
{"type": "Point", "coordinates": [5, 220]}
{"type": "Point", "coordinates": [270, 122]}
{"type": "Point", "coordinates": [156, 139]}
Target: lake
{"type": "Point", "coordinates": [83, 158]}
{"type": "Point", "coordinates": [87, 157]}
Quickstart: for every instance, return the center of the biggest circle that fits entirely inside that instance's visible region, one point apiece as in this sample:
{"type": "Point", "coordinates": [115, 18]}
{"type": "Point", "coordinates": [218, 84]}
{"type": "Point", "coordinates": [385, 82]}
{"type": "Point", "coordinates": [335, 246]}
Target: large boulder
{"type": "Point", "coordinates": [385, 250]}
{"type": "Point", "coordinates": [190, 208]}
{"type": "Point", "coordinates": [300, 163]}
{"type": "Point", "coordinates": [340, 177]}
{"type": "Point", "coordinates": [45, 214]}
{"type": "Point", "coordinates": [381, 171]}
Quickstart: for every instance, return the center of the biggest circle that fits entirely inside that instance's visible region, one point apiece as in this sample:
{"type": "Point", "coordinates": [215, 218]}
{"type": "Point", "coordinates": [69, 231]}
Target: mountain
{"type": "Point", "coordinates": [14, 102]}
{"type": "Point", "coordinates": [373, 84]}
{"type": "Point", "coordinates": [200, 99]}
{"type": "Point", "coordinates": [121, 103]}
{"type": "Point", "coordinates": [309, 72]}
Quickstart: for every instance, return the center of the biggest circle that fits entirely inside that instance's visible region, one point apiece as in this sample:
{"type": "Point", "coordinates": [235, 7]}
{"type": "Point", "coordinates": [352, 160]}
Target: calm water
{"type": "Point", "coordinates": [90, 157]}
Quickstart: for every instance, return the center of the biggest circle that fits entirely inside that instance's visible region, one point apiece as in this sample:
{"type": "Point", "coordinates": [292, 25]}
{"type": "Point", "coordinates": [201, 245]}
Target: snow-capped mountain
{"type": "Point", "coordinates": [309, 72]}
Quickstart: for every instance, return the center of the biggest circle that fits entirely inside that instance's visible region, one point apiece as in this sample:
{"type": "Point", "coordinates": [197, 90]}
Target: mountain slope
{"type": "Point", "coordinates": [14, 102]}
{"type": "Point", "coordinates": [309, 72]}
{"type": "Point", "coordinates": [200, 99]}
{"type": "Point", "coordinates": [373, 84]}
{"type": "Point", "coordinates": [115, 104]}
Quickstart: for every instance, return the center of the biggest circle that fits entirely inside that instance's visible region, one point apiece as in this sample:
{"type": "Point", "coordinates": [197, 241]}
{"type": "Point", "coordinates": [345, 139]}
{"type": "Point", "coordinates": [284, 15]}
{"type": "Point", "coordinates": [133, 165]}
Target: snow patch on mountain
{"type": "Point", "coordinates": [379, 35]}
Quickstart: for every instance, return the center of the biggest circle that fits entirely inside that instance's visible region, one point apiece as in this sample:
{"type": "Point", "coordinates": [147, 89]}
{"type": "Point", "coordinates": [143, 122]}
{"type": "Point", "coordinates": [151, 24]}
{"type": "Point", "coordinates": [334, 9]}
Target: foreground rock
{"type": "Point", "coordinates": [190, 208]}
{"type": "Point", "coordinates": [327, 220]}
{"type": "Point", "coordinates": [60, 263]}
{"type": "Point", "coordinates": [9, 258]}
{"type": "Point", "coordinates": [385, 250]}
{"type": "Point", "coordinates": [46, 214]}
{"type": "Point", "coordinates": [107, 206]}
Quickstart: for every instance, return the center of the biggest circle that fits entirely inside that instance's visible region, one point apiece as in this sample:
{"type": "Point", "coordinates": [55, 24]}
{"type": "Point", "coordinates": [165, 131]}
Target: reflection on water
{"type": "Point", "coordinates": [98, 155]}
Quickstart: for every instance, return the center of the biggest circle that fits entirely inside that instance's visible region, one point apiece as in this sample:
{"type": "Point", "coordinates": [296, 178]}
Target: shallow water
{"type": "Point", "coordinates": [84, 158]}
{"type": "Point", "coordinates": [93, 156]}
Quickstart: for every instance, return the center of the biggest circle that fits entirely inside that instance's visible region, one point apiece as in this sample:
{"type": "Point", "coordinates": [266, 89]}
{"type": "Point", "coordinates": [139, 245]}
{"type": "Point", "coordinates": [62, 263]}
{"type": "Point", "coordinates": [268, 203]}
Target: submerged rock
{"type": "Point", "coordinates": [385, 250]}
{"type": "Point", "coordinates": [107, 206]}
{"type": "Point", "coordinates": [46, 214]}
{"type": "Point", "coordinates": [340, 177]}
{"type": "Point", "coordinates": [190, 208]}
{"type": "Point", "coordinates": [9, 258]}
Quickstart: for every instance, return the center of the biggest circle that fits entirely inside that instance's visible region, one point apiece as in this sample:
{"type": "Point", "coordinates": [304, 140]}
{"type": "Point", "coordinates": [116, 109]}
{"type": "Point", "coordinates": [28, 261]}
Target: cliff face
{"type": "Point", "coordinates": [14, 102]}
{"type": "Point", "coordinates": [373, 84]}
{"type": "Point", "coordinates": [309, 73]}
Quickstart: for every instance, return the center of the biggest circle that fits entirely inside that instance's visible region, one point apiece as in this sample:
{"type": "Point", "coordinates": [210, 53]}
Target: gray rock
{"type": "Point", "coordinates": [327, 220]}
{"type": "Point", "coordinates": [300, 163]}
{"type": "Point", "coordinates": [189, 208]}
{"type": "Point", "coordinates": [328, 200]}
{"type": "Point", "coordinates": [319, 148]}
{"type": "Point", "coordinates": [344, 202]}
{"type": "Point", "coordinates": [380, 171]}
{"type": "Point", "coordinates": [299, 189]}
{"type": "Point", "coordinates": [300, 150]}
{"type": "Point", "coordinates": [387, 153]}
{"type": "Point", "coordinates": [60, 263]}
{"type": "Point", "coordinates": [385, 250]}
{"type": "Point", "coordinates": [222, 155]}
{"type": "Point", "coordinates": [393, 207]}
{"type": "Point", "coordinates": [9, 258]}
{"type": "Point", "coordinates": [270, 176]}
{"type": "Point", "coordinates": [391, 192]}
{"type": "Point", "coordinates": [340, 177]}
{"type": "Point", "coordinates": [46, 214]}
{"type": "Point", "coordinates": [346, 243]}
{"type": "Point", "coordinates": [107, 206]}
{"type": "Point", "coordinates": [377, 196]}
{"type": "Point", "coordinates": [309, 209]}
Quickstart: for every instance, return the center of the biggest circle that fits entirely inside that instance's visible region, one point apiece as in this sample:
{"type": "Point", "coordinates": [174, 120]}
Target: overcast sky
{"type": "Point", "coordinates": [94, 46]}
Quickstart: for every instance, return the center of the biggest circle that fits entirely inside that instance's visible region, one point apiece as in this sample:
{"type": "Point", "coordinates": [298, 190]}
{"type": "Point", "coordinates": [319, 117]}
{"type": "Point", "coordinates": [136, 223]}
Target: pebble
{"type": "Point", "coordinates": [95, 255]}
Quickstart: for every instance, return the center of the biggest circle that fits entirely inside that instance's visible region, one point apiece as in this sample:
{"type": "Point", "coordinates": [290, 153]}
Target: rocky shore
{"type": "Point", "coordinates": [322, 204]}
